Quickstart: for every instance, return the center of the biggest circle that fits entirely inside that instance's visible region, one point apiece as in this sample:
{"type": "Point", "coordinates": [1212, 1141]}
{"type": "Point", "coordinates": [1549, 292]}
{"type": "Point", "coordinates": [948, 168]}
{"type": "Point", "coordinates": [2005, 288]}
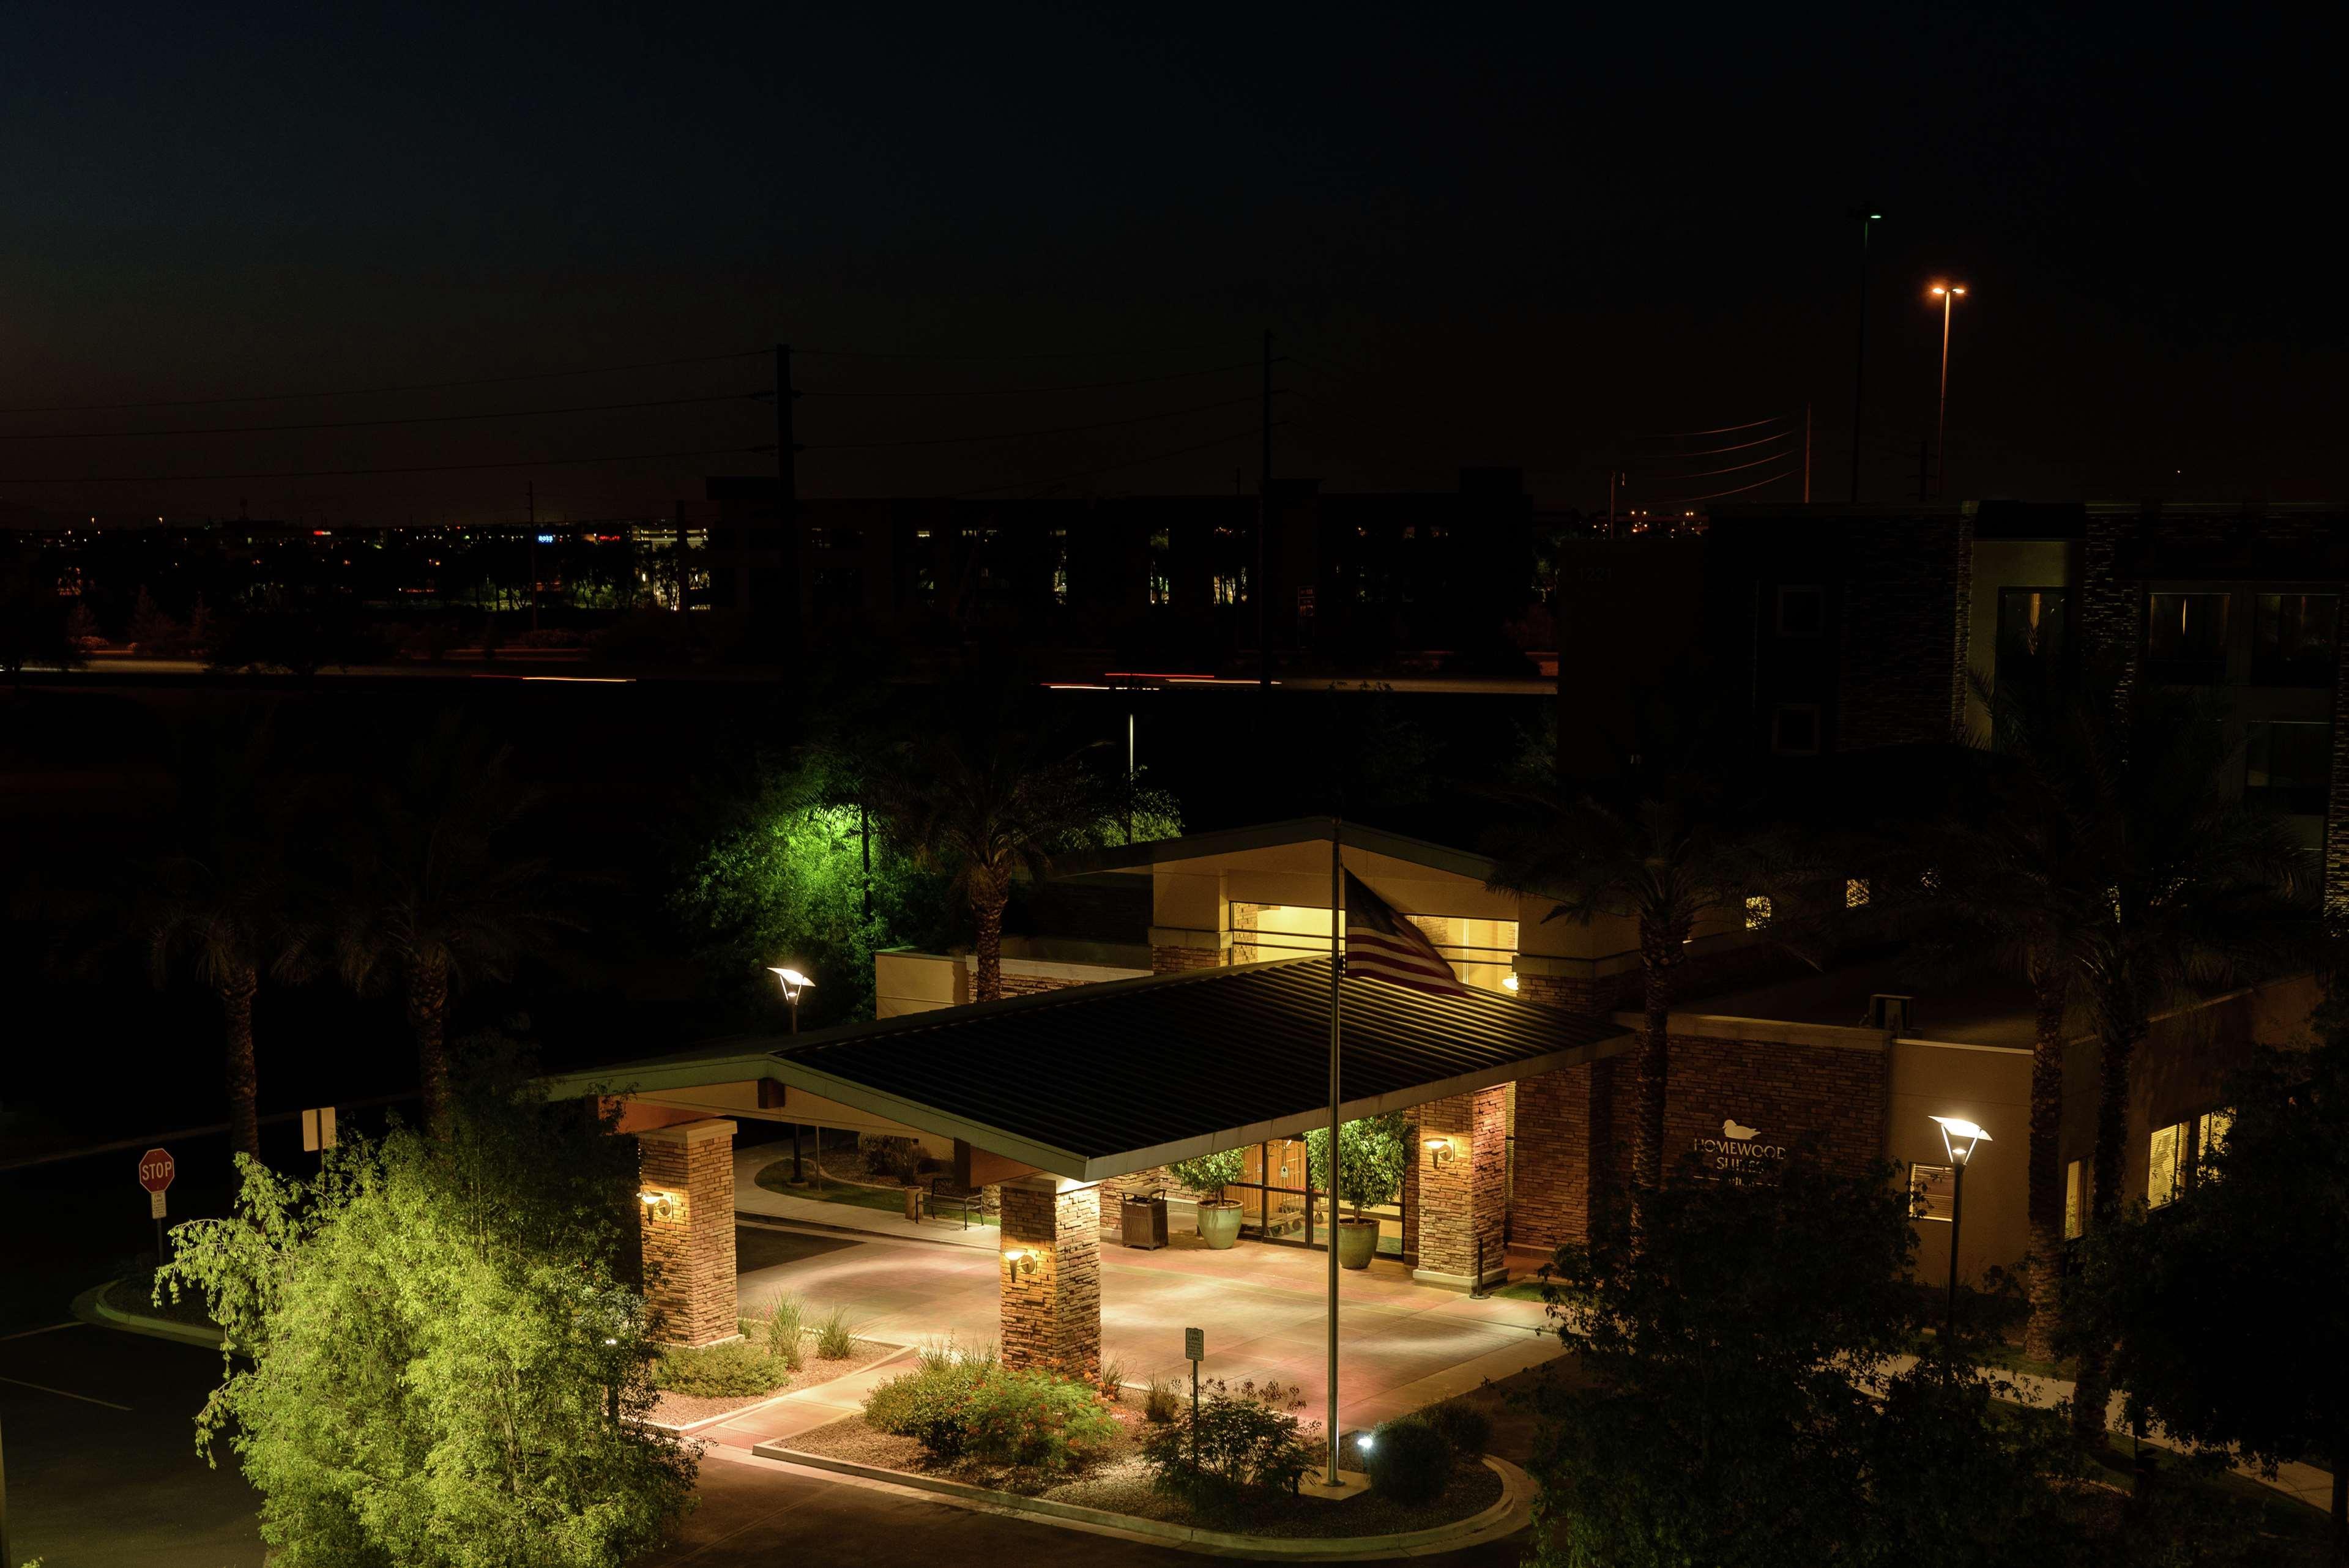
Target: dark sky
{"type": "Point", "coordinates": [1505, 237]}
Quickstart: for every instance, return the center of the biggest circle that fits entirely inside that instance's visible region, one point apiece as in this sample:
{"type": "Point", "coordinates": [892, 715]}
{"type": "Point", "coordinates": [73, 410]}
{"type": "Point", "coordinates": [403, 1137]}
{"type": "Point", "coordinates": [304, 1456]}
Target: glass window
{"type": "Point", "coordinates": [2030, 624]}
{"type": "Point", "coordinates": [1795, 730]}
{"type": "Point", "coordinates": [1802, 611]}
{"type": "Point", "coordinates": [1757, 911]}
{"type": "Point", "coordinates": [1931, 1190]}
{"type": "Point", "coordinates": [2074, 1203]}
{"type": "Point", "coordinates": [2291, 639]}
{"type": "Point", "coordinates": [2164, 1170]}
{"type": "Point", "coordinates": [2288, 766]}
{"type": "Point", "coordinates": [2186, 638]}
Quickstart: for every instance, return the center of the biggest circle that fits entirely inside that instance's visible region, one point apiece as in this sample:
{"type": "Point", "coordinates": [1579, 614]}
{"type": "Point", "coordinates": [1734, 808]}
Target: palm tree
{"type": "Point", "coordinates": [981, 806]}
{"type": "Point", "coordinates": [438, 899]}
{"type": "Point", "coordinates": [1653, 846]}
{"type": "Point", "coordinates": [2117, 868]}
{"type": "Point", "coordinates": [223, 904]}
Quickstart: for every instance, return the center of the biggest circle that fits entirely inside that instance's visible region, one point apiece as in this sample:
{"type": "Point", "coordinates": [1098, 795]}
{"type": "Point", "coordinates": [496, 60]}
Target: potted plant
{"type": "Point", "coordinates": [1372, 1156]}
{"type": "Point", "coordinates": [1208, 1175]}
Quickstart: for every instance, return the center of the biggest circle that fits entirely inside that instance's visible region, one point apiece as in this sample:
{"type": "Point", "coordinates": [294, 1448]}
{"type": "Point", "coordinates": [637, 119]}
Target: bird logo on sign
{"type": "Point", "coordinates": [1730, 1128]}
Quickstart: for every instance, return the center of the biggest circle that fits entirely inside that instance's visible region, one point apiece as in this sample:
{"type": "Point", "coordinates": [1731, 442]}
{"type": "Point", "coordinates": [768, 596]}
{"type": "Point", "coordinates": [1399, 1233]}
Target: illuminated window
{"type": "Point", "coordinates": [2211, 1131]}
{"type": "Point", "coordinates": [2075, 1204]}
{"type": "Point", "coordinates": [1854, 892]}
{"type": "Point", "coordinates": [2291, 639]}
{"type": "Point", "coordinates": [2186, 638]}
{"type": "Point", "coordinates": [1059, 566]}
{"type": "Point", "coordinates": [2166, 1163]}
{"type": "Point", "coordinates": [1162, 583]}
{"type": "Point", "coordinates": [1757, 911]}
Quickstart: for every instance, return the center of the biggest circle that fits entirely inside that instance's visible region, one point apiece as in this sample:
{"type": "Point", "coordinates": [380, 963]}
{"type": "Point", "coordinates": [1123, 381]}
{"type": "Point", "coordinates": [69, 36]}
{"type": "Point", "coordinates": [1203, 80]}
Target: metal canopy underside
{"type": "Point", "coordinates": [1098, 1080]}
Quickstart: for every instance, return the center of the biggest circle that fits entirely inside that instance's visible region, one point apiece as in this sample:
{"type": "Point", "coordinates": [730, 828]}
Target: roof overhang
{"type": "Point", "coordinates": [1129, 858]}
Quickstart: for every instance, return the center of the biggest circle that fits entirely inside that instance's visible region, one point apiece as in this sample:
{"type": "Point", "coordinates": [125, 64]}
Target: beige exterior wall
{"type": "Point", "coordinates": [1987, 1084]}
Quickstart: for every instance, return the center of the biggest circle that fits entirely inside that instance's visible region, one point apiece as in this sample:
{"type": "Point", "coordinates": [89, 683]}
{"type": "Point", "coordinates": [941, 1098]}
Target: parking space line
{"type": "Point", "coordinates": [29, 1333]}
{"type": "Point", "coordinates": [64, 1393]}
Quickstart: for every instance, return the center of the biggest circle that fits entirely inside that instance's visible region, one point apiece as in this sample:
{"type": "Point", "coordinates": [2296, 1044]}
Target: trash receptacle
{"type": "Point", "coordinates": [1144, 1221]}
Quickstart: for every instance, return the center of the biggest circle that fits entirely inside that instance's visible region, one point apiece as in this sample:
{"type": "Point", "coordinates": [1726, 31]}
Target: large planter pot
{"type": "Point", "coordinates": [1358, 1242]}
{"type": "Point", "coordinates": [1219, 1223]}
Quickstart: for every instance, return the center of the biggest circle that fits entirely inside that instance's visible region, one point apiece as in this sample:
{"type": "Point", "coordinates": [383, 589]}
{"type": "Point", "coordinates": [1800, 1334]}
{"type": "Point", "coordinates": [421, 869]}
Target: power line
{"type": "Point", "coordinates": [1714, 451]}
{"type": "Point", "coordinates": [1023, 435]}
{"type": "Point", "coordinates": [1719, 430]}
{"type": "Point", "coordinates": [1023, 391]}
{"type": "Point", "coordinates": [1057, 354]}
{"type": "Point", "coordinates": [1112, 467]}
{"type": "Point", "coordinates": [373, 391]}
{"type": "Point", "coordinates": [417, 469]}
{"type": "Point", "coordinates": [1741, 489]}
{"type": "Point", "coordinates": [358, 424]}
{"type": "Point", "coordinates": [1734, 467]}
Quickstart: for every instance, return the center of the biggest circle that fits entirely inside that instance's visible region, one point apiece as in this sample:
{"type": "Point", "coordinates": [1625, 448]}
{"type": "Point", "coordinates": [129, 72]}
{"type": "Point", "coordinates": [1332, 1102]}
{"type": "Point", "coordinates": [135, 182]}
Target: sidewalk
{"type": "Point", "coordinates": [749, 1198]}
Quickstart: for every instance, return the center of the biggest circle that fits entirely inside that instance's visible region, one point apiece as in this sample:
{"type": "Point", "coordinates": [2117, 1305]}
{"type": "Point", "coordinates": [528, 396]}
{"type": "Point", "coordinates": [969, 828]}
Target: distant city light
{"type": "Point", "coordinates": [546, 538]}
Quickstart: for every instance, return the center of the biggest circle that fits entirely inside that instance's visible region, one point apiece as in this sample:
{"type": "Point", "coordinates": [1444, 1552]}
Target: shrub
{"type": "Point", "coordinates": [783, 1330]}
{"type": "Point", "coordinates": [719, 1371]}
{"type": "Point", "coordinates": [1112, 1379]}
{"type": "Point", "coordinates": [1408, 1459]}
{"type": "Point", "coordinates": [836, 1335]}
{"type": "Point", "coordinates": [1032, 1417]}
{"type": "Point", "coordinates": [1463, 1427]}
{"type": "Point", "coordinates": [931, 1405]}
{"type": "Point", "coordinates": [1242, 1439]}
{"type": "Point", "coordinates": [894, 1157]}
{"type": "Point", "coordinates": [937, 1352]}
{"type": "Point", "coordinates": [1161, 1404]}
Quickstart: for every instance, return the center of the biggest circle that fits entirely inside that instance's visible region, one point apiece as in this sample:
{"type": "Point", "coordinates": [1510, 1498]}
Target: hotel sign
{"type": "Point", "coordinates": [1740, 1153]}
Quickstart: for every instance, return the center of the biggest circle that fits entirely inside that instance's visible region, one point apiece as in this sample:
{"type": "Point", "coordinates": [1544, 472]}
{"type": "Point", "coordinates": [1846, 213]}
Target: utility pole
{"type": "Point", "coordinates": [1262, 590]}
{"type": "Point", "coordinates": [684, 577]}
{"type": "Point", "coordinates": [1920, 469]}
{"type": "Point", "coordinates": [787, 500]}
{"type": "Point", "coordinates": [530, 491]}
{"type": "Point", "coordinates": [1806, 454]}
{"type": "Point", "coordinates": [1867, 218]}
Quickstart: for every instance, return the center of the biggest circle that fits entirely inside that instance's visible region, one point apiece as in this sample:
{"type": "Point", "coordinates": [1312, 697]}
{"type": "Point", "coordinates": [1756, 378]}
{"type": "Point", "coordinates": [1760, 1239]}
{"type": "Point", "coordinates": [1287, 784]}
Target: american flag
{"type": "Point", "coordinates": [1381, 945]}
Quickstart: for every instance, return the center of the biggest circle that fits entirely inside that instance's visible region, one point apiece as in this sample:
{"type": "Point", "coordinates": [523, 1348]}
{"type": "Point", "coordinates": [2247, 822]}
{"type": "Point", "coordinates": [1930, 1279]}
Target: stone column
{"type": "Point", "coordinates": [1050, 1276]}
{"type": "Point", "coordinates": [1464, 1200]}
{"type": "Point", "coordinates": [686, 1210]}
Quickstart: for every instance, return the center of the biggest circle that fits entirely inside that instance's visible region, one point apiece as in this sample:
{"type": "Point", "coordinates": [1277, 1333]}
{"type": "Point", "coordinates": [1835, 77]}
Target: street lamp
{"type": "Point", "coordinates": [1949, 295]}
{"type": "Point", "coordinates": [794, 983]}
{"type": "Point", "coordinates": [1959, 1138]}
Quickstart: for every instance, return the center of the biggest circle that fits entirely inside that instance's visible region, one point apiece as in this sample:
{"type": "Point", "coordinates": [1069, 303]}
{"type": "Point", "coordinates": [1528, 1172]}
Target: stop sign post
{"type": "Point", "coordinates": [156, 1169]}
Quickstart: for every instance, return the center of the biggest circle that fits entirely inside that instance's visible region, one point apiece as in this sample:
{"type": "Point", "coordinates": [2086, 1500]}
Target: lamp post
{"type": "Point", "coordinates": [794, 983]}
{"type": "Point", "coordinates": [1869, 218]}
{"type": "Point", "coordinates": [1949, 294]}
{"type": "Point", "coordinates": [1959, 1138]}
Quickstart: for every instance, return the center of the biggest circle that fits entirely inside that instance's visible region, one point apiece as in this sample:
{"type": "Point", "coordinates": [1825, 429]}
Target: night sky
{"type": "Point", "coordinates": [1520, 238]}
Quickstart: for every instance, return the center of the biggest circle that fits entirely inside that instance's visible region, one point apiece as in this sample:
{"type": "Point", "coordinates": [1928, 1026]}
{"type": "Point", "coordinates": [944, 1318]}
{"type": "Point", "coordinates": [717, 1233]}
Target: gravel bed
{"type": "Point", "coordinates": [675, 1410]}
{"type": "Point", "coordinates": [1118, 1481]}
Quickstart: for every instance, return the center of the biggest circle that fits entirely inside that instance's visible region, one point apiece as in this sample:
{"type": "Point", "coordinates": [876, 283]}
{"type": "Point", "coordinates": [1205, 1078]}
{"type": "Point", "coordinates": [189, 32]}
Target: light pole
{"type": "Point", "coordinates": [1959, 1138]}
{"type": "Point", "coordinates": [1949, 294]}
{"type": "Point", "coordinates": [1869, 218]}
{"type": "Point", "coordinates": [794, 983]}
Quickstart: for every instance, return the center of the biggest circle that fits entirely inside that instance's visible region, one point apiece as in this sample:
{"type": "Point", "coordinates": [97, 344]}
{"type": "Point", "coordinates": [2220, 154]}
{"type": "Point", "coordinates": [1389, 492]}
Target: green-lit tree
{"type": "Point", "coordinates": [438, 895]}
{"type": "Point", "coordinates": [1374, 1155]}
{"type": "Point", "coordinates": [430, 1359]}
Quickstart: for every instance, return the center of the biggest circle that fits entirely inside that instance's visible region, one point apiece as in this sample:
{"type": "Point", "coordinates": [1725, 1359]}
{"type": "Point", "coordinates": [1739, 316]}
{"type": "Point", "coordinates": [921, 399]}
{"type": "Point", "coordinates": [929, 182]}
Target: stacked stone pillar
{"type": "Point", "coordinates": [1050, 1276]}
{"type": "Point", "coordinates": [1463, 1188]}
{"type": "Point", "coordinates": [686, 1211]}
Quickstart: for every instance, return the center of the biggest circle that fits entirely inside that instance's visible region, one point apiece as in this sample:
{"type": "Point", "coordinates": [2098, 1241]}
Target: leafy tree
{"type": "Point", "coordinates": [1747, 1405]}
{"type": "Point", "coordinates": [784, 877]}
{"type": "Point", "coordinates": [440, 897]}
{"type": "Point", "coordinates": [1209, 1174]}
{"type": "Point", "coordinates": [1374, 1155]}
{"type": "Point", "coordinates": [2253, 1255]}
{"type": "Point", "coordinates": [432, 1361]}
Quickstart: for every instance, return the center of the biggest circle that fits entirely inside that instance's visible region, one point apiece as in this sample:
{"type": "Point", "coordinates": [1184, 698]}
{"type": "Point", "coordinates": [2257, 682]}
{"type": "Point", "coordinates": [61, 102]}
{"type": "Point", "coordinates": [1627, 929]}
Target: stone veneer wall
{"type": "Point", "coordinates": [1563, 1117]}
{"type": "Point", "coordinates": [1170, 960]}
{"type": "Point", "coordinates": [1052, 1314]}
{"type": "Point", "coordinates": [1463, 1203]}
{"type": "Point", "coordinates": [1840, 1094]}
{"type": "Point", "coordinates": [1904, 621]}
{"type": "Point", "coordinates": [689, 1259]}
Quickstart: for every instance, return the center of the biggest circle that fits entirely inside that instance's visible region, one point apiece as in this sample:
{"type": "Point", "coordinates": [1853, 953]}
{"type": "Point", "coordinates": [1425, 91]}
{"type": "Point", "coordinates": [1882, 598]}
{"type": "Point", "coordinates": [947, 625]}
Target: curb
{"type": "Point", "coordinates": [691, 1428]}
{"type": "Point", "coordinates": [91, 1308]}
{"type": "Point", "coordinates": [1512, 1512]}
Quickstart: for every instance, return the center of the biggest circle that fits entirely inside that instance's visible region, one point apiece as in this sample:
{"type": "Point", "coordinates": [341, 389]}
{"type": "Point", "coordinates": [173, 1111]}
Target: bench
{"type": "Point", "coordinates": [965, 1200]}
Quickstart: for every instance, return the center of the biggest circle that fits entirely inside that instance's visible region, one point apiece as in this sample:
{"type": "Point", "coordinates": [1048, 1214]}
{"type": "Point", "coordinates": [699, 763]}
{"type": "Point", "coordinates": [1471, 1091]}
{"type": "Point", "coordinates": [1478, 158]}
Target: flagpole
{"type": "Point", "coordinates": [1337, 973]}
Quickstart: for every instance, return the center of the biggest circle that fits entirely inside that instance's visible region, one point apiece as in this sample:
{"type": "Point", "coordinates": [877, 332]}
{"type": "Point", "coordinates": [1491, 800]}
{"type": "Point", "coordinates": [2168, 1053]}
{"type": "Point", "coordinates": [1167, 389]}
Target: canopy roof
{"type": "Point", "coordinates": [1094, 1081]}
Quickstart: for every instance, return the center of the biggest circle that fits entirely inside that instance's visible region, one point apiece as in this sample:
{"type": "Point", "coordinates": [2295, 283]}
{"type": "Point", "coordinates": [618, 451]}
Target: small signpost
{"type": "Point", "coordinates": [319, 1129]}
{"type": "Point", "coordinates": [156, 1169]}
{"type": "Point", "coordinates": [1194, 1347]}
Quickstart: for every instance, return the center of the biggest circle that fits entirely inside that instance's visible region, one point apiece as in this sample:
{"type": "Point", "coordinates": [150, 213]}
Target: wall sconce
{"type": "Point", "coordinates": [1508, 982]}
{"type": "Point", "coordinates": [662, 1207]}
{"type": "Point", "coordinates": [1019, 1261]}
{"type": "Point", "coordinates": [1439, 1149]}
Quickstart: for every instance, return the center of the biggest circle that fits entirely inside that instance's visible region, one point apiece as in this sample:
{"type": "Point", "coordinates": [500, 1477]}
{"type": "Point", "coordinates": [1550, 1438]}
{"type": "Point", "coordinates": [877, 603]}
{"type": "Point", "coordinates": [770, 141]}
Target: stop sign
{"type": "Point", "coordinates": [156, 1170]}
